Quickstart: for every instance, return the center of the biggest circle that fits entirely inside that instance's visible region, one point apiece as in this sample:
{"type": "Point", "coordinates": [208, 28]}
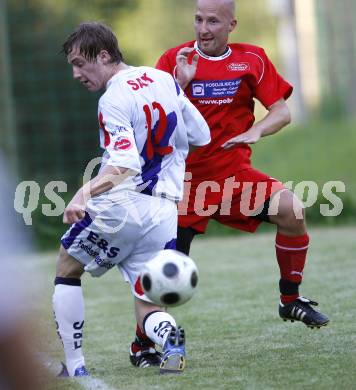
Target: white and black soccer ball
{"type": "Point", "coordinates": [169, 278]}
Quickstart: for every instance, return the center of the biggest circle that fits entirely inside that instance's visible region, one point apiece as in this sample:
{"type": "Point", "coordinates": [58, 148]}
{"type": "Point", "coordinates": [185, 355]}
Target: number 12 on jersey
{"type": "Point", "coordinates": [158, 137]}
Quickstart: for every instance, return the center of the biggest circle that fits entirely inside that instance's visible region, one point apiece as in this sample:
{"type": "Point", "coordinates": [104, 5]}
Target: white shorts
{"type": "Point", "coordinates": [126, 233]}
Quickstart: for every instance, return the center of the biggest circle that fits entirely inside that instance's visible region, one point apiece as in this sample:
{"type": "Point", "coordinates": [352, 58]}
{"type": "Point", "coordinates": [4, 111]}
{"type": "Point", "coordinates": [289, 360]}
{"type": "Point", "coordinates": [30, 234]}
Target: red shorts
{"type": "Point", "coordinates": [234, 201]}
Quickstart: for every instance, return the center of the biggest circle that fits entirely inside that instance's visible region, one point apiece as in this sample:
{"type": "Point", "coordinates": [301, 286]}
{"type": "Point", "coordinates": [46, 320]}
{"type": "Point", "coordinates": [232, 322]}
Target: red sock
{"type": "Point", "coordinates": [291, 254]}
{"type": "Point", "coordinates": [141, 339]}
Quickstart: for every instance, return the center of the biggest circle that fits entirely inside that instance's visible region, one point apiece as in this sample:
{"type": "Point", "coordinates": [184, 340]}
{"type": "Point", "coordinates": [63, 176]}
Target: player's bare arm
{"type": "Point", "coordinates": [106, 179]}
{"type": "Point", "coordinates": [278, 116]}
{"type": "Point", "coordinates": [185, 71]}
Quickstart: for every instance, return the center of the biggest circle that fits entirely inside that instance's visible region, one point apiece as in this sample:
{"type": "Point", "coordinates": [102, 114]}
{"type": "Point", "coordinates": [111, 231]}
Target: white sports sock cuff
{"type": "Point", "coordinates": [157, 326]}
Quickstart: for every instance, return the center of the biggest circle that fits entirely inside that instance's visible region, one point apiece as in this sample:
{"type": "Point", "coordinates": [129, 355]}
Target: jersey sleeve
{"type": "Point", "coordinates": [197, 129]}
{"type": "Point", "coordinates": [117, 136]}
{"type": "Point", "coordinates": [164, 63]}
{"type": "Point", "coordinates": [271, 86]}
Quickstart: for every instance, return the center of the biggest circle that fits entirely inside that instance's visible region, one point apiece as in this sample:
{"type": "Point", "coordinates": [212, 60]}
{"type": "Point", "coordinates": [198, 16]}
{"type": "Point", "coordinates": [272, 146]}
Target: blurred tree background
{"type": "Point", "coordinates": [49, 125]}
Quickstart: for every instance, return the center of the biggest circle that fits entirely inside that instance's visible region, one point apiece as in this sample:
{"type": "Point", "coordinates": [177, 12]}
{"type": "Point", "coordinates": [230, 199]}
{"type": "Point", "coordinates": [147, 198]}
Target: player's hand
{"type": "Point", "coordinates": [185, 70]}
{"type": "Point", "coordinates": [75, 211]}
{"type": "Point", "coordinates": [251, 136]}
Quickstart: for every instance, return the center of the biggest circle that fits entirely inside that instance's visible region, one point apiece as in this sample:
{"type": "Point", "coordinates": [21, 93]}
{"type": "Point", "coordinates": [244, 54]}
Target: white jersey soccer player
{"type": "Point", "coordinates": [146, 125]}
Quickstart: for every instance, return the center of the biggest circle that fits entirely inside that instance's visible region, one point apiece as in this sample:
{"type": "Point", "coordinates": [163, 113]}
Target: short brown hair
{"type": "Point", "coordinates": [91, 38]}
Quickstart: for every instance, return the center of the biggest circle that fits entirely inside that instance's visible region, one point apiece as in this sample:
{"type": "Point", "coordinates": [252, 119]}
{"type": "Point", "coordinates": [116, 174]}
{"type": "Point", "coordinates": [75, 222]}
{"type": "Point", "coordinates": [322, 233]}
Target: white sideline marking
{"type": "Point", "coordinates": [88, 382]}
{"type": "Point", "coordinates": [91, 383]}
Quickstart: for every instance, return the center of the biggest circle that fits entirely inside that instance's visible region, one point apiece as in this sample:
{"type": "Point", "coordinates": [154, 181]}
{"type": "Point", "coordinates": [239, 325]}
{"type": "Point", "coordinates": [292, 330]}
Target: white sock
{"type": "Point", "coordinates": [68, 306]}
{"type": "Point", "coordinates": [158, 325]}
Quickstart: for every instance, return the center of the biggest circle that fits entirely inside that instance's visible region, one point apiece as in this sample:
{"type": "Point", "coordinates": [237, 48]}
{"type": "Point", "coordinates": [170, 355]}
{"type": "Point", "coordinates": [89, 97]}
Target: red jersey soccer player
{"type": "Point", "coordinates": [222, 80]}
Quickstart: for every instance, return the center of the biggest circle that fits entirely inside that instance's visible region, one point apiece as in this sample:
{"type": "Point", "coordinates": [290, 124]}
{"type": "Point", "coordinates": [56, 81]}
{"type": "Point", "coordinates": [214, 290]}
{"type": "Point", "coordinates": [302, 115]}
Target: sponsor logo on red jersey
{"type": "Point", "coordinates": [123, 143]}
{"type": "Point", "coordinates": [238, 66]}
{"type": "Point", "coordinates": [215, 88]}
{"type": "Point", "coordinates": [198, 89]}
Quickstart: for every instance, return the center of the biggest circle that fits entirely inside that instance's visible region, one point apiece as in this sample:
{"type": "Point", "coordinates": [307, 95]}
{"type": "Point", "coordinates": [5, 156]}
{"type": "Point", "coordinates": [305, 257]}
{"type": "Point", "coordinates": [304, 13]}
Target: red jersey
{"type": "Point", "coordinates": [223, 91]}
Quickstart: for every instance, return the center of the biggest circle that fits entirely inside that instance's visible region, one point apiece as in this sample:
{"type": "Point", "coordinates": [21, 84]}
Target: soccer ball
{"type": "Point", "coordinates": [169, 278]}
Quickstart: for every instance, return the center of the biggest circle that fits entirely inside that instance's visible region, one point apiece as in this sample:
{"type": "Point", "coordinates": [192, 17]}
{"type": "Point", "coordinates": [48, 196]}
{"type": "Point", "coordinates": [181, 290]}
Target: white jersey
{"type": "Point", "coordinates": [146, 125]}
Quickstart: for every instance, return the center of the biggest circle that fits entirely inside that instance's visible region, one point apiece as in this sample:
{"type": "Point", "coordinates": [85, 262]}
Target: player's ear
{"type": "Point", "coordinates": [233, 24]}
{"type": "Point", "coordinates": [104, 57]}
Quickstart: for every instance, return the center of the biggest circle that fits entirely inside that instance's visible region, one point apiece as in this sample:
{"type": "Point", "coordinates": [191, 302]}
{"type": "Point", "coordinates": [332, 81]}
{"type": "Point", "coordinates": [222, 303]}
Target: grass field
{"type": "Point", "coordinates": [235, 339]}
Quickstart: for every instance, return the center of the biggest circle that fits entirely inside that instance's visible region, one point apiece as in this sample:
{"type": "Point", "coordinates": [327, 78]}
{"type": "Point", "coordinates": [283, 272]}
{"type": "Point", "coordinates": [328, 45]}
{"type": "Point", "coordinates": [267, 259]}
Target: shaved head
{"type": "Point", "coordinates": [227, 5]}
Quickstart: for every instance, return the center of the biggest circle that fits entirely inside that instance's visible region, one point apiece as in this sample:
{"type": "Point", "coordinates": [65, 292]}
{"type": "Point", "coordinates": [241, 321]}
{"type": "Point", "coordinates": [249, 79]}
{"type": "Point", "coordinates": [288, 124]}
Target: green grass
{"type": "Point", "coordinates": [235, 339]}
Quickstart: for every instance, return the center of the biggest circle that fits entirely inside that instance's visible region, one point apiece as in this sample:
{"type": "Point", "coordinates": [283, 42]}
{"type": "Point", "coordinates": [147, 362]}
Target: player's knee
{"type": "Point", "coordinates": [291, 213]}
{"type": "Point", "coordinates": [67, 266]}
